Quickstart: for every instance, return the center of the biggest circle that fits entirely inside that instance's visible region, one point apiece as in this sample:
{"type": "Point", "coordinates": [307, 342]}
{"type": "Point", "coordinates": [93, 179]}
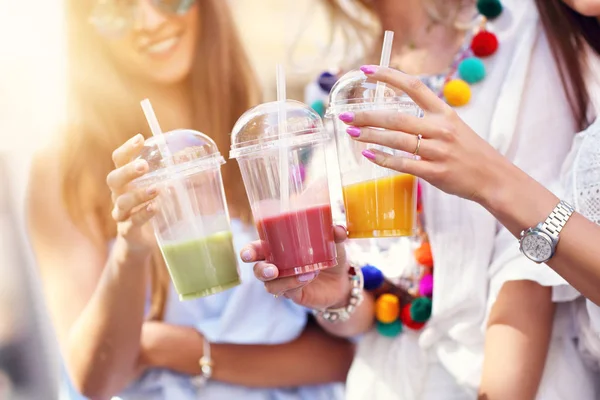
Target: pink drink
{"type": "Point", "coordinates": [299, 241]}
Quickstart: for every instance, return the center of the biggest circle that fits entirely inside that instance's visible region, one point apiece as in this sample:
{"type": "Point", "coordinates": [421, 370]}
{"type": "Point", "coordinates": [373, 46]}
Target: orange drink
{"type": "Point", "coordinates": [381, 207]}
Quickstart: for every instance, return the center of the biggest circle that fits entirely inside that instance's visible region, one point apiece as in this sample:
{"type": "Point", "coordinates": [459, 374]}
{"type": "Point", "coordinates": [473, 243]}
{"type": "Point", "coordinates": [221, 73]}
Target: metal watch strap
{"type": "Point", "coordinates": [558, 218]}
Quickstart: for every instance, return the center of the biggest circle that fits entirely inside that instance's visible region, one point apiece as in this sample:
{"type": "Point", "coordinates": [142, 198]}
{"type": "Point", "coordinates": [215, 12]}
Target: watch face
{"type": "Point", "coordinates": [537, 247]}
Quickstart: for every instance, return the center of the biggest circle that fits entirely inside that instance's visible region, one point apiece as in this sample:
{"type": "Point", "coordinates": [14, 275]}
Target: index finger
{"type": "Point", "coordinates": [123, 154]}
{"type": "Point", "coordinates": [417, 90]}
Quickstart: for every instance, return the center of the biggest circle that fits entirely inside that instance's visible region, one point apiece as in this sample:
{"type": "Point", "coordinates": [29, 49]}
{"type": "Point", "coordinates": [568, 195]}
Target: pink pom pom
{"type": "Point", "coordinates": [426, 285]}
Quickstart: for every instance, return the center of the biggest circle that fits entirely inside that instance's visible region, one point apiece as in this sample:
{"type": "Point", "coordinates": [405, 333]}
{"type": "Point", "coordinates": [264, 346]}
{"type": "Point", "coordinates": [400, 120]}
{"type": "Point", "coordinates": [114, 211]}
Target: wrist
{"type": "Point", "coordinates": [517, 200]}
{"type": "Point", "coordinates": [205, 362]}
{"type": "Point", "coordinates": [342, 310]}
{"type": "Point", "coordinates": [345, 290]}
{"type": "Point", "coordinates": [124, 254]}
{"type": "Point", "coordinates": [497, 189]}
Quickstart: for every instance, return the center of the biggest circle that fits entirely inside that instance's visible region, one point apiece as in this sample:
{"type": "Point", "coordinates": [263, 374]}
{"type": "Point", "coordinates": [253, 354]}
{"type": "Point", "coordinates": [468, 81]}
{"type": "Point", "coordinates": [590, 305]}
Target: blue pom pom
{"type": "Point", "coordinates": [471, 70]}
{"type": "Point", "coordinates": [326, 81]}
{"type": "Point", "coordinates": [319, 107]}
{"type": "Point", "coordinates": [373, 277]}
{"type": "Point", "coordinates": [389, 330]}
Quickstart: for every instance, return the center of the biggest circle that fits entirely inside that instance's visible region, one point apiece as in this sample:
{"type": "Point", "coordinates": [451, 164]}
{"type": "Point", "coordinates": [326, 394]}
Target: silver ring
{"type": "Point", "coordinates": [416, 152]}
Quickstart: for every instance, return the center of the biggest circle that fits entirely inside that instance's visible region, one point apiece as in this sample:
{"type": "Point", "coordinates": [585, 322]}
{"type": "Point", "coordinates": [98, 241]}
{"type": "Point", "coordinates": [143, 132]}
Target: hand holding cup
{"type": "Point", "coordinates": [132, 207]}
{"type": "Point", "coordinates": [451, 156]}
{"type": "Point", "coordinates": [328, 288]}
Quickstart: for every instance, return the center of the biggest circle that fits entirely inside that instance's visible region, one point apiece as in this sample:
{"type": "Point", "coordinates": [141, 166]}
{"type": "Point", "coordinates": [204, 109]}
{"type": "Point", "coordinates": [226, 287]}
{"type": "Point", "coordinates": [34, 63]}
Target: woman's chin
{"type": "Point", "coordinates": [589, 8]}
{"type": "Point", "coordinates": [168, 77]}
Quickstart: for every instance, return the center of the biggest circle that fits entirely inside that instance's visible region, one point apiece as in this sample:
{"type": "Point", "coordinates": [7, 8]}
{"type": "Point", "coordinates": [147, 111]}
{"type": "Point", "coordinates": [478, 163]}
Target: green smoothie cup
{"type": "Point", "coordinates": [192, 221]}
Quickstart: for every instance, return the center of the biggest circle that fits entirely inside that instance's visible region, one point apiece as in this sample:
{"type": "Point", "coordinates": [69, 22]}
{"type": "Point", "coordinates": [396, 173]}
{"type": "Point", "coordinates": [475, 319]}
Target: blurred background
{"type": "Point", "coordinates": [32, 108]}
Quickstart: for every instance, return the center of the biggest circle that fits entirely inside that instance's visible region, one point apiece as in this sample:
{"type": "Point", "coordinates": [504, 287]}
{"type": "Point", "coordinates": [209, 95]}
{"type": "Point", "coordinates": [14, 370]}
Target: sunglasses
{"type": "Point", "coordinates": [115, 17]}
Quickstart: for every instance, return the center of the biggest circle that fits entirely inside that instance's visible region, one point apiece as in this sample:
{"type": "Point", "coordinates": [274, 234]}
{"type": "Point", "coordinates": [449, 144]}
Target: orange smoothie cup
{"type": "Point", "coordinates": [381, 207]}
{"type": "Point", "coordinates": [379, 202]}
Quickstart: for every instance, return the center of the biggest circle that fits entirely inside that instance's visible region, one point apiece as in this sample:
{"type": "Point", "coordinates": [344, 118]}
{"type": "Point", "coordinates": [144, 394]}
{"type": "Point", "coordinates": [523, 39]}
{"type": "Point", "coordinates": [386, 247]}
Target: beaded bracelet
{"type": "Point", "coordinates": [356, 298]}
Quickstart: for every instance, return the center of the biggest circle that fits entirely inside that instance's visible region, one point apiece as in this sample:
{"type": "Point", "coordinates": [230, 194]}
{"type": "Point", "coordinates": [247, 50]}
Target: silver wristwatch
{"type": "Point", "coordinates": [539, 243]}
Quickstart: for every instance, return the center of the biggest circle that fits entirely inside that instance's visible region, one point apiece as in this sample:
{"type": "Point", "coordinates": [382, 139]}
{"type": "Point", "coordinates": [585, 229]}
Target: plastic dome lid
{"type": "Point", "coordinates": [257, 130]}
{"type": "Point", "coordinates": [355, 88]}
{"type": "Point", "coordinates": [191, 152]}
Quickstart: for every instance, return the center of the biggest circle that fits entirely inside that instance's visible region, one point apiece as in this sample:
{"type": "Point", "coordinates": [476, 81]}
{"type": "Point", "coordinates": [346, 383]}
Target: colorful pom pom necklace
{"type": "Point", "coordinates": [406, 303]}
{"type": "Point", "coordinates": [468, 67]}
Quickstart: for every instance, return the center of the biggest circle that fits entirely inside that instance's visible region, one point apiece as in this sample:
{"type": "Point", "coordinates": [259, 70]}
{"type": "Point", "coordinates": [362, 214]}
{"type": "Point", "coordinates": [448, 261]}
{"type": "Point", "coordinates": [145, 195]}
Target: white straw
{"type": "Point", "coordinates": [386, 53]}
{"type": "Point", "coordinates": [284, 175]}
{"type": "Point", "coordinates": [156, 131]}
{"type": "Point", "coordinates": [186, 205]}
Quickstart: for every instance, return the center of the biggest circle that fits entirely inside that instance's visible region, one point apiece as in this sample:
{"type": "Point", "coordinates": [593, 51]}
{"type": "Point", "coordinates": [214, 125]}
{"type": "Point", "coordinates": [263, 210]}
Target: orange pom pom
{"type": "Point", "coordinates": [387, 308]}
{"type": "Point", "coordinates": [457, 92]}
{"type": "Point", "coordinates": [423, 255]}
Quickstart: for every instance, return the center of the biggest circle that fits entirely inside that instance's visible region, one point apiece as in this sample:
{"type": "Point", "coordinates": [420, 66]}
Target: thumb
{"type": "Point", "coordinates": [339, 234]}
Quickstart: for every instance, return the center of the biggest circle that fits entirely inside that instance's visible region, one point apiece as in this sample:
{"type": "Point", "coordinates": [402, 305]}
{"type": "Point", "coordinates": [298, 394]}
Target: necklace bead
{"type": "Point", "coordinates": [489, 8]}
{"type": "Point", "coordinates": [471, 70]}
{"type": "Point", "coordinates": [484, 44]}
{"type": "Point", "coordinates": [457, 92]}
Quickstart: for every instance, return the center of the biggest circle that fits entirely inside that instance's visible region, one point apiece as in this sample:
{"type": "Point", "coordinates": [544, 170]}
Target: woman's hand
{"type": "Point", "coordinates": [452, 156]}
{"type": "Point", "coordinates": [318, 290]}
{"type": "Point", "coordinates": [132, 206]}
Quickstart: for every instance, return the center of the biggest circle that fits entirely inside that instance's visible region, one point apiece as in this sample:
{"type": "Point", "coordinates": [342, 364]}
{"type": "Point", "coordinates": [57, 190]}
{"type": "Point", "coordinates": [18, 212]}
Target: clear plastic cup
{"type": "Point", "coordinates": [296, 232]}
{"type": "Point", "coordinates": [378, 202]}
{"type": "Point", "coordinates": [192, 221]}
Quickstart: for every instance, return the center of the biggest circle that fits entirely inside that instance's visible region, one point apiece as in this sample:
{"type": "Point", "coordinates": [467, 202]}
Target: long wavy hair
{"type": "Point", "coordinates": [358, 23]}
{"type": "Point", "coordinates": [103, 112]}
{"type": "Point", "coordinates": [571, 35]}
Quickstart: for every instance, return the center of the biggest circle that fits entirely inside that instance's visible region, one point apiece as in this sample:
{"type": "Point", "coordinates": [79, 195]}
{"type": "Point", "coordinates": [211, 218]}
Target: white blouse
{"type": "Point", "coordinates": [520, 109]}
{"type": "Point", "coordinates": [581, 182]}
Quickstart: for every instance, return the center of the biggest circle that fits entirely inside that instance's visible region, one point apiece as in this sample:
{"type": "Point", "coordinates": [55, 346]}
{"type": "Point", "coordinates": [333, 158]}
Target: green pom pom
{"type": "Point", "coordinates": [471, 70]}
{"type": "Point", "coordinates": [319, 107]}
{"type": "Point", "coordinates": [489, 8]}
{"type": "Point", "coordinates": [389, 330]}
{"type": "Point", "coordinates": [420, 309]}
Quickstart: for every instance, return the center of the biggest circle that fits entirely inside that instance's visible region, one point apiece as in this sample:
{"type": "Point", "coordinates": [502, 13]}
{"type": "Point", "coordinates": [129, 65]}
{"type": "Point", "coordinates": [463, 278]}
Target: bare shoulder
{"type": "Point", "coordinates": [44, 205]}
{"type": "Point", "coordinates": [69, 262]}
{"type": "Point", "coordinates": [50, 225]}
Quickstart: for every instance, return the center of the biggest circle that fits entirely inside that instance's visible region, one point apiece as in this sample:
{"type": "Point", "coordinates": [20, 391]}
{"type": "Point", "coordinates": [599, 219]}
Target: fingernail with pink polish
{"type": "Point", "coordinates": [246, 255]}
{"type": "Point", "coordinates": [306, 277]}
{"type": "Point", "coordinates": [368, 154]}
{"type": "Point", "coordinates": [353, 131]}
{"type": "Point", "coordinates": [269, 272]}
{"type": "Point", "coordinates": [346, 116]}
{"type": "Point", "coordinates": [368, 69]}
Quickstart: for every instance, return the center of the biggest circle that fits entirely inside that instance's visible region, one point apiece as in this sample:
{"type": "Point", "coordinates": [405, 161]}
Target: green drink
{"type": "Point", "coordinates": [201, 267]}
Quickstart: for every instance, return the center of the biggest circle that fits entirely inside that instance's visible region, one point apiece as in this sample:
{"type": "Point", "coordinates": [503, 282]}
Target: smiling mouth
{"type": "Point", "coordinates": [162, 47]}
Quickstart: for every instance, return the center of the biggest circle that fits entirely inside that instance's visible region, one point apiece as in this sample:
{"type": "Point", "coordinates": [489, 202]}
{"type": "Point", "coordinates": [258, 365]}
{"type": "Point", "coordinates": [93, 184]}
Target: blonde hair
{"type": "Point", "coordinates": [103, 110]}
{"type": "Point", "coordinates": [358, 22]}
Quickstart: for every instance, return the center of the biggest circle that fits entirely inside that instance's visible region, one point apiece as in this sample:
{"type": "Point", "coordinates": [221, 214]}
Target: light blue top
{"type": "Point", "coordinates": [246, 314]}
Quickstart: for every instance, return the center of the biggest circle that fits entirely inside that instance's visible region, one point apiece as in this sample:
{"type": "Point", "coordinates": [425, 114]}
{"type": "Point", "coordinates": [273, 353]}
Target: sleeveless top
{"type": "Point", "coordinates": [246, 314]}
